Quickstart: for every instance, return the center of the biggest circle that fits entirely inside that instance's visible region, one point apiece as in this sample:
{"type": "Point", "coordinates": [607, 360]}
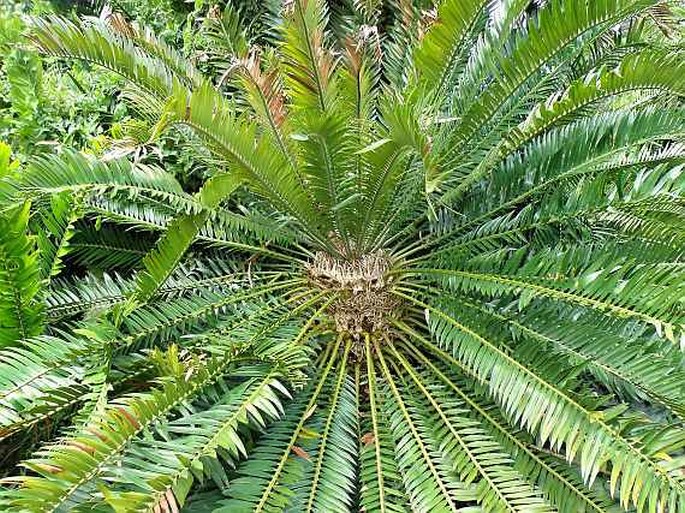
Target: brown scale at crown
{"type": "Point", "coordinates": [365, 301]}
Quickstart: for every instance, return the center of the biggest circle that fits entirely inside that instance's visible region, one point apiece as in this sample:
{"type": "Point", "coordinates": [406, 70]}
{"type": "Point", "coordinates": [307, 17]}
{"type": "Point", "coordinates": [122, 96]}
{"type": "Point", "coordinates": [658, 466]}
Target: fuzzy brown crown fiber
{"type": "Point", "coordinates": [364, 300]}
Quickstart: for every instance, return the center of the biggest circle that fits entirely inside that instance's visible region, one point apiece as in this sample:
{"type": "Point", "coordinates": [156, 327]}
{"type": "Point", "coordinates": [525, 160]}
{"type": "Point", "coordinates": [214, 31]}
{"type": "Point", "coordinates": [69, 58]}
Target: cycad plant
{"type": "Point", "coordinates": [434, 267]}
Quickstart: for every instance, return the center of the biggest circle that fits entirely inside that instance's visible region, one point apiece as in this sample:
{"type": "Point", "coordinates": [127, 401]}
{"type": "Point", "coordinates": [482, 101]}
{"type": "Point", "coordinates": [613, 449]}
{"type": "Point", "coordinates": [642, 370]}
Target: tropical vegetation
{"type": "Point", "coordinates": [431, 259]}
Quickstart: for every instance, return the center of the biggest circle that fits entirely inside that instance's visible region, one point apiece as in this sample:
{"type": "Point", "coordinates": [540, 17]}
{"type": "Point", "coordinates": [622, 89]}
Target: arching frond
{"type": "Point", "coordinates": [309, 64]}
{"type": "Point", "coordinates": [74, 173]}
{"type": "Point", "coordinates": [98, 44]}
{"type": "Point", "coordinates": [278, 458]}
{"type": "Point", "coordinates": [660, 484]}
{"type": "Point", "coordinates": [380, 474]}
{"type": "Point", "coordinates": [476, 455]}
{"type": "Point", "coordinates": [191, 447]}
{"type": "Point", "coordinates": [57, 229]}
{"type": "Point", "coordinates": [440, 49]}
{"type": "Point", "coordinates": [556, 479]}
{"type": "Point", "coordinates": [428, 483]}
{"type": "Point", "coordinates": [21, 310]}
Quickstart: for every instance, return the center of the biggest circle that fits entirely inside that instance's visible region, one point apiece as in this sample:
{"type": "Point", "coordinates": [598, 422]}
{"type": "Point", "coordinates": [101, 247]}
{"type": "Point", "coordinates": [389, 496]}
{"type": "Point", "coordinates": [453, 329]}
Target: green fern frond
{"type": "Point", "coordinates": [543, 397]}
{"type": "Point", "coordinates": [191, 447]}
{"type": "Point", "coordinates": [308, 63]}
{"type": "Point", "coordinates": [439, 50]}
{"type": "Point", "coordinates": [55, 233]}
{"type": "Point", "coordinates": [21, 310]}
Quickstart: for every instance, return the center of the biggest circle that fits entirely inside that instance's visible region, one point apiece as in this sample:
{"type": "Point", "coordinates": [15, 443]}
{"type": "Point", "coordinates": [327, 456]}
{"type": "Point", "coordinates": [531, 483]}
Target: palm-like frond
{"type": "Point", "coordinates": [21, 314]}
{"type": "Point", "coordinates": [437, 265]}
{"type": "Point", "coordinates": [308, 63]}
